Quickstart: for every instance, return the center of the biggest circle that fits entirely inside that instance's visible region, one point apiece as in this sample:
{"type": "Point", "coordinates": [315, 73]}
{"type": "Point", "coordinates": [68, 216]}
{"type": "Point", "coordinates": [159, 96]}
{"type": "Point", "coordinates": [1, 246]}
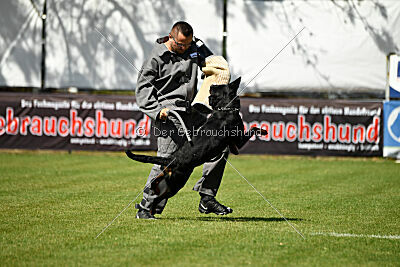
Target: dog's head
{"type": "Point", "coordinates": [224, 97]}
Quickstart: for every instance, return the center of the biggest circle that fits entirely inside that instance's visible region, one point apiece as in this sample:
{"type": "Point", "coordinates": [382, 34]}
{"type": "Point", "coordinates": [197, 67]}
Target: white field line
{"type": "Point", "coordinates": [360, 236]}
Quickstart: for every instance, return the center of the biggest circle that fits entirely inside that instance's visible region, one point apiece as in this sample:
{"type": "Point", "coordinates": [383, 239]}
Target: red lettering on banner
{"type": "Point", "coordinates": [317, 132]}
{"type": "Point", "coordinates": [329, 129]}
{"type": "Point", "coordinates": [278, 131]}
{"type": "Point", "coordinates": [12, 123]}
{"type": "Point", "coordinates": [291, 132]}
{"type": "Point", "coordinates": [63, 126]}
{"type": "Point", "coordinates": [266, 126]}
{"type": "Point", "coordinates": [373, 131]}
{"type": "Point", "coordinates": [130, 130]}
{"type": "Point", "coordinates": [36, 126]}
{"type": "Point", "coordinates": [344, 133]}
{"type": "Point", "coordinates": [116, 128]}
{"type": "Point", "coordinates": [76, 123]}
{"type": "Point", "coordinates": [2, 125]}
{"type": "Point", "coordinates": [304, 126]}
{"type": "Point", "coordinates": [358, 134]}
{"type": "Point", "coordinates": [50, 130]}
{"type": "Point", "coordinates": [101, 124]}
{"type": "Point", "coordinates": [89, 126]}
{"type": "Point", "coordinates": [24, 125]}
{"type": "Point", "coordinates": [144, 126]}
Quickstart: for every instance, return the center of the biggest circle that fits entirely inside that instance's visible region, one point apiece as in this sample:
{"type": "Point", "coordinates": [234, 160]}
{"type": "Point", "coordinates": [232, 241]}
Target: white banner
{"type": "Point", "coordinates": [342, 45]}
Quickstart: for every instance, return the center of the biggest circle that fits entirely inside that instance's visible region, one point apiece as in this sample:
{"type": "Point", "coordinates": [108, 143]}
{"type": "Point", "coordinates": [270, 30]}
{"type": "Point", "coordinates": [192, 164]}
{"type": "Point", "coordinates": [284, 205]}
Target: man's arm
{"type": "Point", "coordinates": [203, 51]}
{"type": "Point", "coordinates": [146, 93]}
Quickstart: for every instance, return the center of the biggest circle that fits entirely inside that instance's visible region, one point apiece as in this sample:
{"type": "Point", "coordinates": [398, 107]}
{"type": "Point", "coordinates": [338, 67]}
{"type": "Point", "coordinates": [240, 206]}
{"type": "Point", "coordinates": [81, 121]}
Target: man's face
{"type": "Point", "coordinates": [180, 43]}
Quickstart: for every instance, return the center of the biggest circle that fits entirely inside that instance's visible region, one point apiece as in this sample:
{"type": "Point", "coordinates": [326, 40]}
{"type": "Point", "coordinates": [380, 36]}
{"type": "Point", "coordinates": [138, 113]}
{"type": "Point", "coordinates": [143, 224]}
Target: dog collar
{"type": "Point", "coordinates": [227, 109]}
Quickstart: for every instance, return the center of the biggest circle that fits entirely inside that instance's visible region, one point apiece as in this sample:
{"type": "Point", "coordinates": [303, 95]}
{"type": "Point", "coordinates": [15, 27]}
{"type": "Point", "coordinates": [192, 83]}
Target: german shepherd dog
{"type": "Point", "coordinates": [226, 124]}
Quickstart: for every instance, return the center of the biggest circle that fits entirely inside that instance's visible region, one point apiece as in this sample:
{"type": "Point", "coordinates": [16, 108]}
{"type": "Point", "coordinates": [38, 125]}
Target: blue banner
{"type": "Point", "coordinates": [394, 76]}
{"type": "Point", "coordinates": [391, 133]}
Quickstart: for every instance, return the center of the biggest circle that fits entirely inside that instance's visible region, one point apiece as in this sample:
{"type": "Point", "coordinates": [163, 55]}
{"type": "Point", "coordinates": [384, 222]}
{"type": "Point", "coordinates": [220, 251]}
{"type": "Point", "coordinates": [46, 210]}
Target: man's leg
{"type": "Point", "coordinates": [148, 194]}
{"type": "Point", "coordinates": [166, 145]}
{"type": "Point", "coordinates": [209, 183]}
{"type": "Point", "coordinates": [213, 171]}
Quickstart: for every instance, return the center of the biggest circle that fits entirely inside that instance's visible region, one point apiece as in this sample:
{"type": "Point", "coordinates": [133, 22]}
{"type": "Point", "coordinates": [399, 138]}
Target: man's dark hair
{"type": "Point", "coordinates": [183, 27]}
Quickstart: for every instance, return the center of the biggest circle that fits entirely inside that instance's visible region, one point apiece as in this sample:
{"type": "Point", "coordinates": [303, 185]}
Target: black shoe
{"type": "Point", "coordinates": [212, 205]}
{"type": "Point", "coordinates": [144, 214]}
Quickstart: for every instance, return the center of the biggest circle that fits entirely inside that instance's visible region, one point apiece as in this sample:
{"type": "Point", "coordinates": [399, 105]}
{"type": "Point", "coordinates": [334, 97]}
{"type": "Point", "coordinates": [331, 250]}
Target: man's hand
{"type": "Point", "coordinates": [164, 114]}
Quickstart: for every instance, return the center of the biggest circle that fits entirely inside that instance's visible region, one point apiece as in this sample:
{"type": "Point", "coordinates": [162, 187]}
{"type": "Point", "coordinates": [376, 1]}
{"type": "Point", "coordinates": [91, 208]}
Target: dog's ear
{"type": "Point", "coordinates": [235, 84]}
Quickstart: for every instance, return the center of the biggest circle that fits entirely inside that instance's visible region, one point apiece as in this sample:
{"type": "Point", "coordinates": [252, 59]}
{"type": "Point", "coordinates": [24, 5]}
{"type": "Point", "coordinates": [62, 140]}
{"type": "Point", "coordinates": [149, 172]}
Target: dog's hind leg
{"type": "Point", "coordinates": [160, 187]}
{"type": "Point", "coordinates": [159, 184]}
{"type": "Point", "coordinates": [167, 184]}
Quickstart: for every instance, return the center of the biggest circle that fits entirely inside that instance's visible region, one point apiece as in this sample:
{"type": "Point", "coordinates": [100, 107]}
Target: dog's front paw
{"type": "Point", "coordinates": [259, 131]}
{"type": "Point", "coordinates": [233, 149]}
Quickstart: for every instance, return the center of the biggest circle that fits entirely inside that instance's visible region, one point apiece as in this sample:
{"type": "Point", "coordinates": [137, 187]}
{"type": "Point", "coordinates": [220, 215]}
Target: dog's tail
{"type": "Point", "coordinates": [148, 159]}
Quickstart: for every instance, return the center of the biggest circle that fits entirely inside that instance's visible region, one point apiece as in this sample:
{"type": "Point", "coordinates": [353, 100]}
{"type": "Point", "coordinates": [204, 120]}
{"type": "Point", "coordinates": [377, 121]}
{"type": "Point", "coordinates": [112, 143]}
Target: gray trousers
{"type": "Point", "coordinates": [167, 144]}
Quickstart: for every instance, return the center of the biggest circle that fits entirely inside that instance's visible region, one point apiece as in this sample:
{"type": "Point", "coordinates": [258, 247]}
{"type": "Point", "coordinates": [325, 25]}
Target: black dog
{"type": "Point", "coordinates": [226, 127]}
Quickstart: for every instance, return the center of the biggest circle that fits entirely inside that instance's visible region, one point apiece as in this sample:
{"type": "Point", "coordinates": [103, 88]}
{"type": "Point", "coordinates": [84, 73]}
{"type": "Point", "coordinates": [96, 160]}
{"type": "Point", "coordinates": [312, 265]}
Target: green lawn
{"type": "Point", "coordinates": [54, 204]}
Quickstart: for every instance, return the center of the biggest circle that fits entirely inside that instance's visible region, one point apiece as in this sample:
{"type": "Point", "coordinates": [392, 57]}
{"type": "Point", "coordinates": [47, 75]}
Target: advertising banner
{"type": "Point", "coordinates": [394, 76]}
{"type": "Point", "coordinates": [391, 134]}
{"type": "Point", "coordinates": [314, 127]}
{"type": "Point", "coordinates": [73, 122]}
{"type": "Point", "coordinates": [95, 122]}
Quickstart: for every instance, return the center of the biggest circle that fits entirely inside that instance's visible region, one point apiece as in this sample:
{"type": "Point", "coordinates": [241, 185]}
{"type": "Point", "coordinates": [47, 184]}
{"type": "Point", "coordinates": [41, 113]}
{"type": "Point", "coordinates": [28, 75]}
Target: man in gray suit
{"type": "Point", "coordinates": [168, 81]}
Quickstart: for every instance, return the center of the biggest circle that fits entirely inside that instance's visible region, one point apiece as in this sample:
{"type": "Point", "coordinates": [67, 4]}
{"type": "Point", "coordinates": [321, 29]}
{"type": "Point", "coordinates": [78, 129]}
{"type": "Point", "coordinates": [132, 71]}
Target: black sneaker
{"type": "Point", "coordinates": [144, 214]}
{"type": "Point", "coordinates": [212, 205]}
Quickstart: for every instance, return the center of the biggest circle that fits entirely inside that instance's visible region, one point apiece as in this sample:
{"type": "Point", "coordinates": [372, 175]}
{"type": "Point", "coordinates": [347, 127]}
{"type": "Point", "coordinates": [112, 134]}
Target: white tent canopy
{"type": "Point", "coordinates": [95, 43]}
{"type": "Point", "coordinates": [342, 44]}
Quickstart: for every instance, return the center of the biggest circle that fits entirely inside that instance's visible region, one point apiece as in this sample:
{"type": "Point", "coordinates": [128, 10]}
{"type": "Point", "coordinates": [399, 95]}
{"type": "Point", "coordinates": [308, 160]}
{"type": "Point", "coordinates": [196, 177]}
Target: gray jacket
{"type": "Point", "coordinates": [166, 78]}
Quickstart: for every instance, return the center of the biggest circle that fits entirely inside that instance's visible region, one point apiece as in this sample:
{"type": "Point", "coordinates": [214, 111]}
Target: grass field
{"type": "Point", "coordinates": [54, 204]}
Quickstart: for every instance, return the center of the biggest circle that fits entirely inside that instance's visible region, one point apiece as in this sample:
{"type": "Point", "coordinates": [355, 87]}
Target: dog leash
{"type": "Point", "coordinates": [176, 114]}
